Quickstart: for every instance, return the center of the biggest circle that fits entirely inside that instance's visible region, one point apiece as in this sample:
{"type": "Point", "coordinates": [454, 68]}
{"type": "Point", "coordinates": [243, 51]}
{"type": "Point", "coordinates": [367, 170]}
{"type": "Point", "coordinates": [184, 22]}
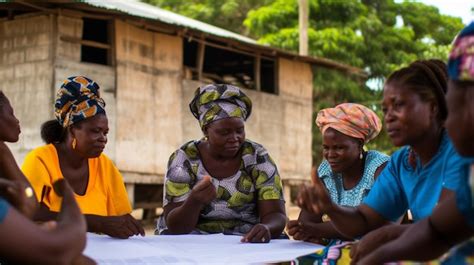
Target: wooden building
{"type": "Point", "coordinates": [148, 62]}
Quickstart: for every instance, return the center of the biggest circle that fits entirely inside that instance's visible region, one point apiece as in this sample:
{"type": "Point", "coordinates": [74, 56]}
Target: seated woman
{"type": "Point", "coordinates": [419, 175]}
{"type": "Point", "coordinates": [223, 183]}
{"type": "Point", "coordinates": [23, 241]}
{"type": "Point", "coordinates": [348, 172]}
{"type": "Point", "coordinates": [75, 141]}
{"type": "Point", "coordinates": [453, 220]}
{"type": "Point", "coordinates": [9, 170]}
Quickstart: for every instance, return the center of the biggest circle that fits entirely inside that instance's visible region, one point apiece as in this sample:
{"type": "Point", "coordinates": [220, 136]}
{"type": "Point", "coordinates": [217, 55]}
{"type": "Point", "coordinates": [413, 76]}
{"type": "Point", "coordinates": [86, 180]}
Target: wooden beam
{"type": "Point", "coordinates": [86, 42]}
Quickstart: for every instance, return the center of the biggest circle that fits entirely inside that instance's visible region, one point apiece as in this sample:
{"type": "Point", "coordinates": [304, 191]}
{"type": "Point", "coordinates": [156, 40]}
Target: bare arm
{"type": "Point", "coordinates": [123, 226]}
{"type": "Point", "coordinates": [309, 227]}
{"type": "Point", "coordinates": [9, 169]}
{"type": "Point", "coordinates": [429, 238]}
{"type": "Point", "coordinates": [349, 222]}
{"type": "Point", "coordinates": [28, 243]}
{"type": "Point", "coordinates": [182, 217]}
{"type": "Point", "coordinates": [272, 222]}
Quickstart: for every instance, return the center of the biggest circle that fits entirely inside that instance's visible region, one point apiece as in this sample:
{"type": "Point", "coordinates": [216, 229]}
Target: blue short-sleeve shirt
{"type": "Point", "coordinates": [401, 187]}
{"type": "Point", "coordinates": [3, 209]}
{"type": "Point", "coordinates": [464, 199]}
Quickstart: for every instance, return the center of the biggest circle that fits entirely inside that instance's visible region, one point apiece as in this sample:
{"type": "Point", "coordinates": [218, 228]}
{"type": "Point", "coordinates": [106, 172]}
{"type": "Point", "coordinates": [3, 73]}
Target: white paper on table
{"type": "Point", "coordinates": [192, 249]}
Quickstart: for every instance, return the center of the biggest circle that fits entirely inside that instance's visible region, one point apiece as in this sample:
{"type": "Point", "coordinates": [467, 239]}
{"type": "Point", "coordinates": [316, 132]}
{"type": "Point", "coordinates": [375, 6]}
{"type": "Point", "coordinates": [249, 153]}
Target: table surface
{"type": "Point", "coordinates": [192, 249]}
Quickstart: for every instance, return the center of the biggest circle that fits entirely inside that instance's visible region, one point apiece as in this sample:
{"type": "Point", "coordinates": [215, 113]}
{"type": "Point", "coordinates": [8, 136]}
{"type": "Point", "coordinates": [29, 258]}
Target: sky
{"type": "Point", "coordinates": [458, 8]}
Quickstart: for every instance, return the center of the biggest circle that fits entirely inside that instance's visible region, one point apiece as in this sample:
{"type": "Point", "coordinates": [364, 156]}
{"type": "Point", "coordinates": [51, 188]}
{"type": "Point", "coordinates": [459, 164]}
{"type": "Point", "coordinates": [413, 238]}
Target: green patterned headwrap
{"type": "Point", "coordinates": [219, 101]}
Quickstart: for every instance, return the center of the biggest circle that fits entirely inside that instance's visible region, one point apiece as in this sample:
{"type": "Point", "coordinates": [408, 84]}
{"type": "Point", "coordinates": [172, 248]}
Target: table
{"type": "Point", "coordinates": [192, 249]}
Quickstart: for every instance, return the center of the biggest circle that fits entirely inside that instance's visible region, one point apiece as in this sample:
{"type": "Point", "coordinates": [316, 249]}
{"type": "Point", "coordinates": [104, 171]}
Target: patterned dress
{"type": "Point", "coordinates": [234, 211]}
{"type": "Point", "coordinates": [353, 197]}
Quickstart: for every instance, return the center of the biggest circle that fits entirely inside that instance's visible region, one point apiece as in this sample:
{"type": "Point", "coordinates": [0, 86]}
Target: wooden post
{"type": "Point", "coordinates": [257, 73]}
{"type": "Point", "coordinates": [200, 59]}
{"type": "Point", "coordinates": [303, 15]}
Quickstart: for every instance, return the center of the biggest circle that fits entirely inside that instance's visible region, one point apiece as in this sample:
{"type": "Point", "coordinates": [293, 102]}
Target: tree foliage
{"type": "Point", "coordinates": [378, 36]}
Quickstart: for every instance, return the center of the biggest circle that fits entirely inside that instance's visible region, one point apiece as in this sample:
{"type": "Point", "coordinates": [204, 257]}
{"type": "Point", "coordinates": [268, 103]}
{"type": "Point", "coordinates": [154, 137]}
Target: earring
{"type": "Point", "coordinates": [205, 138]}
{"type": "Point", "coordinates": [74, 142]}
{"type": "Point", "coordinates": [361, 155]}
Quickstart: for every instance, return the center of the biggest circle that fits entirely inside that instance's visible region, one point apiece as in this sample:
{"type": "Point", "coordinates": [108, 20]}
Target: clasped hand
{"type": "Point", "coordinates": [204, 191]}
{"type": "Point", "coordinates": [15, 192]}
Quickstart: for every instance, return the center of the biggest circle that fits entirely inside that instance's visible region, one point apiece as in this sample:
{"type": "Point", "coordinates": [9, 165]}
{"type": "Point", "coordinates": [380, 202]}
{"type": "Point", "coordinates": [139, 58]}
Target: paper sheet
{"type": "Point", "coordinates": [192, 249]}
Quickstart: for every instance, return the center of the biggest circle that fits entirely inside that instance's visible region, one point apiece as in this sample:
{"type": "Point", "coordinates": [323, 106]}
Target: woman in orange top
{"type": "Point", "coordinates": [75, 141]}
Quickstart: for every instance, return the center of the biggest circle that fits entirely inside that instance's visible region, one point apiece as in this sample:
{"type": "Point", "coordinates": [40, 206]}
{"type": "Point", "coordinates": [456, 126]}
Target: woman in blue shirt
{"type": "Point", "coordinates": [453, 220]}
{"type": "Point", "coordinates": [421, 173]}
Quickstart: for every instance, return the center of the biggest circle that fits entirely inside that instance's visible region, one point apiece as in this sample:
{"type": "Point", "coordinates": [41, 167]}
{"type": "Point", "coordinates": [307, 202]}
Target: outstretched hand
{"type": "Point", "coordinates": [204, 191]}
{"type": "Point", "coordinates": [260, 233]}
{"type": "Point", "coordinates": [315, 199]}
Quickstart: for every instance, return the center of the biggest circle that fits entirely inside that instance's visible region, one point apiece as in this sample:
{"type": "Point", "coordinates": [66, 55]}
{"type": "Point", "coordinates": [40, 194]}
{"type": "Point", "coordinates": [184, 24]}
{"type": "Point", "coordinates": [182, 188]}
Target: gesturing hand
{"type": "Point", "coordinates": [315, 199]}
{"type": "Point", "coordinates": [204, 191]}
{"type": "Point", "coordinates": [260, 233]}
{"type": "Point", "coordinates": [123, 226]}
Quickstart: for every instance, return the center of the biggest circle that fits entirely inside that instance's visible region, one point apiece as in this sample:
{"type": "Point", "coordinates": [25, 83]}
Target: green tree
{"type": "Point", "coordinates": [227, 14]}
{"type": "Point", "coordinates": [378, 36]}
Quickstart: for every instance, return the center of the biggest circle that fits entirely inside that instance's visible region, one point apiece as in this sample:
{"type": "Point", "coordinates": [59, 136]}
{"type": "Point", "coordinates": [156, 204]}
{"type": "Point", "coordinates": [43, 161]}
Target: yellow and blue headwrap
{"type": "Point", "coordinates": [461, 57]}
{"type": "Point", "coordinates": [219, 101]}
{"type": "Point", "coordinates": [76, 100]}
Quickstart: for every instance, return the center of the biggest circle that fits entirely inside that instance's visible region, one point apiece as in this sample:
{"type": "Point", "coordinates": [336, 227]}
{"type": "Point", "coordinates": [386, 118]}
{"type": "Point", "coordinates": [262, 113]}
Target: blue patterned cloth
{"type": "Point", "coordinates": [77, 99]}
{"type": "Point", "coordinates": [354, 196]}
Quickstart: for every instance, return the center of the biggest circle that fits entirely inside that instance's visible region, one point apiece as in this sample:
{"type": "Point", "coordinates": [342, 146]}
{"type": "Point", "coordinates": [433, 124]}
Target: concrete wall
{"type": "Point", "coordinates": [296, 90]}
{"type": "Point", "coordinates": [26, 73]}
{"type": "Point", "coordinates": [67, 62]}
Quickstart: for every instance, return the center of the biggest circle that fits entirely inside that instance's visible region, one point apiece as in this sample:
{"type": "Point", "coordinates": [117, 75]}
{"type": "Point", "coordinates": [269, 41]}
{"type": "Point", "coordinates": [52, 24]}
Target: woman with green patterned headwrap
{"type": "Point", "coordinates": [223, 183]}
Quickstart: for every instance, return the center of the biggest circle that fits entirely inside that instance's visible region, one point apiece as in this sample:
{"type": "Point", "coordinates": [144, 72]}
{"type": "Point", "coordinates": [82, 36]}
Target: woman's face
{"type": "Point", "coordinates": [91, 135]}
{"type": "Point", "coordinates": [9, 124]}
{"type": "Point", "coordinates": [407, 117]}
{"type": "Point", "coordinates": [460, 121]}
{"type": "Point", "coordinates": [340, 150]}
{"type": "Point", "coordinates": [226, 136]}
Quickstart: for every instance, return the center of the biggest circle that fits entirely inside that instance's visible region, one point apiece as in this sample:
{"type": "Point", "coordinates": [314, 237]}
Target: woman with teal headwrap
{"type": "Point", "coordinates": [223, 183]}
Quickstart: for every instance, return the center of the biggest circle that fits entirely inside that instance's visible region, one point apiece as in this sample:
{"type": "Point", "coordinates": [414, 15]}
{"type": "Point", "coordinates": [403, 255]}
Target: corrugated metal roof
{"type": "Point", "coordinates": [140, 9]}
{"type": "Point", "coordinates": [144, 10]}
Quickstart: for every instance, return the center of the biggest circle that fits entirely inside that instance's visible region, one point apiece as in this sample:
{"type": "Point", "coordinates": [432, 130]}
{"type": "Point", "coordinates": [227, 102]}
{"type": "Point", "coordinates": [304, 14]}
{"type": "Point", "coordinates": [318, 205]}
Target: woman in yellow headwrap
{"type": "Point", "coordinates": [348, 172]}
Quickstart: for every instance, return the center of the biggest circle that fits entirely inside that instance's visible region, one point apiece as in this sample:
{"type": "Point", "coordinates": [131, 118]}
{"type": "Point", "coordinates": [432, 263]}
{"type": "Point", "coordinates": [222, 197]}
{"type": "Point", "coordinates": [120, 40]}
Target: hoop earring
{"type": "Point", "coordinates": [74, 143]}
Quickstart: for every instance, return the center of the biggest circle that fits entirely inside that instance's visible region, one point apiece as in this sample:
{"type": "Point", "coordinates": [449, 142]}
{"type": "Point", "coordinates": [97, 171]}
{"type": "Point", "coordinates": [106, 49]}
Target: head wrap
{"type": "Point", "coordinates": [219, 101]}
{"type": "Point", "coordinates": [461, 57]}
{"type": "Point", "coordinates": [76, 100]}
{"type": "Point", "coordinates": [350, 119]}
